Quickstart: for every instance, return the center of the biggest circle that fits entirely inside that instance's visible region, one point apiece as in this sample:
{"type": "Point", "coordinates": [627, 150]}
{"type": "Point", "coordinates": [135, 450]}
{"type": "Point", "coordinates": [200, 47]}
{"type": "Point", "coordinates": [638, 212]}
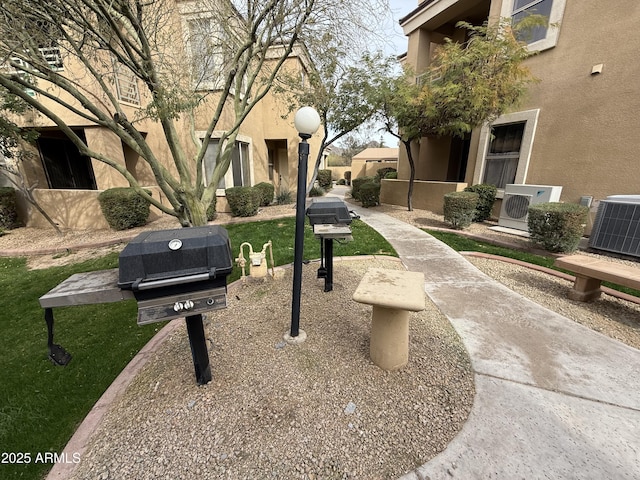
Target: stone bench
{"type": "Point", "coordinates": [393, 294]}
{"type": "Point", "coordinates": [590, 272]}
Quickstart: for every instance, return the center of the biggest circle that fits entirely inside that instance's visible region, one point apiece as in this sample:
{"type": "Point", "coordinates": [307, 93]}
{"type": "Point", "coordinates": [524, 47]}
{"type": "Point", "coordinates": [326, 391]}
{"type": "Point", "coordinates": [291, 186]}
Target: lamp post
{"type": "Point", "coordinates": [306, 122]}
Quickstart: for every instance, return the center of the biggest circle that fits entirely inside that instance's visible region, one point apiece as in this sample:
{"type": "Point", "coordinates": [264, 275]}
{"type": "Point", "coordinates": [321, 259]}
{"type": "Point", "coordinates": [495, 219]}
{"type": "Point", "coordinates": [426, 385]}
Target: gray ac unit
{"type": "Point", "coordinates": [517, 199]}
{"type": "Point", "coordinates": [617, 225]}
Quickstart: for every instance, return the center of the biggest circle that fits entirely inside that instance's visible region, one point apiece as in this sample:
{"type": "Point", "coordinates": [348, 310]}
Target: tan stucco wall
{"type": "Point", "coordinates": [426, 195]}
{"type": "Point", "coordinates": [72, 209]}
{"type": "Point", "coordinates": [587, 133]}
{"type": "Point", "coordinates": [587, 137]}
{"type": "Point", "coordinates": [363, 168]}
{"type": "Point", "coordinates": [338, 172]}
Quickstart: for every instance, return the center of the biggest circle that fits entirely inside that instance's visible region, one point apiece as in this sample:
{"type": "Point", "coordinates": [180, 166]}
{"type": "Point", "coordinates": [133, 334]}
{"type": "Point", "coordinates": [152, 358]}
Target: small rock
{"type": "Point", "coordinates": [191, 404]}
{"type": "Point", "coordinates": [350, 408]}
{"type": "Point", "coordinates": [281, 344]}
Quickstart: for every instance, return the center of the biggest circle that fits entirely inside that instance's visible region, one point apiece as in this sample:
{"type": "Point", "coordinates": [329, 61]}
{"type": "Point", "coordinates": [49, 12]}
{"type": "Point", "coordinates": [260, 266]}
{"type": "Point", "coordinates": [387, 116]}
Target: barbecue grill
{"type": "Point", "coordinates": [171, 273]}
{"type": "Point", "coordinates": [331, 221]}
{"type": "Point", "coordinates": [176, 272]}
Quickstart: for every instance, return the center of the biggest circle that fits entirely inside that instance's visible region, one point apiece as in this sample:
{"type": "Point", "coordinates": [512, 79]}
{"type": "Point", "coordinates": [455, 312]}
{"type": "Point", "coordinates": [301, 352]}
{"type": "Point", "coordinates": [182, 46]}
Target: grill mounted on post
{"type": "Point", "coordinates": [175, 273]}
{"type": "Point", "coordinates": [171, 273]}
{"type": "Point", "coordinates": [331, 221]}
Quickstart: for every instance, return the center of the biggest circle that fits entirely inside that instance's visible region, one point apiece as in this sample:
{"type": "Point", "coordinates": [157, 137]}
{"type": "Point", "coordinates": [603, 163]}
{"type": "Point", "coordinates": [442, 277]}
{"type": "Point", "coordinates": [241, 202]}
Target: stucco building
{"type": "Point", "coordinates": [68, 183]}
{"type": "Point", "coordinates": [577, 127]}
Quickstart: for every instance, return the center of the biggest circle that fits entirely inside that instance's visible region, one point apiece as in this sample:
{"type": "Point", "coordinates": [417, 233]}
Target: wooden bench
{"type": "Point", "coordinates": [590, 272]}
{"type": "Point", "coordinates": [393, 294]}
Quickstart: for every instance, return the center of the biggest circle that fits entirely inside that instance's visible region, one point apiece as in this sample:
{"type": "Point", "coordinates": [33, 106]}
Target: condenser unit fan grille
{"type": "Point", "coordinates": [517, 206]}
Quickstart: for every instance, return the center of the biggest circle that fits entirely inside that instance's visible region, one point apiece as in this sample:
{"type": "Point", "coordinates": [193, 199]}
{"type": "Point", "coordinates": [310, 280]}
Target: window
{"type": "Point", "coordinates": [64, 167]}
{"type": "Point", "coordinates": [239, 174]}
{"type": "Point", "coordinates": [126, 84]}
{"type": "Point", "coordinates": [21, 73]}
{"type": "Point", "coordinates": [540, 38]}
{"type": "Point", "coordinates": [504, 150]}
{"type": "Point", "coordinates": [207, 56]}
{"type": "Point", "coordinates": [53, 58]}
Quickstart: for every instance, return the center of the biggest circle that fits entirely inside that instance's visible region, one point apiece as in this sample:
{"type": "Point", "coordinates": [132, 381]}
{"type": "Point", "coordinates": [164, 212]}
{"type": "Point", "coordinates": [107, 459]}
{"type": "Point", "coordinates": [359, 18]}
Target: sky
{"type": "Point", "coordinates": [397, 45]}
{"type": "Point", "coordinates": [399, 9]}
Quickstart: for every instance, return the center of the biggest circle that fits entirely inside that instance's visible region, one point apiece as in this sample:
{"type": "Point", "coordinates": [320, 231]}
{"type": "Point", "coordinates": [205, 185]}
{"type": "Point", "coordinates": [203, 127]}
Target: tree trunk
{"type": "Point", "coordinates": [194, 213]}
{"type": "Point", "coordinates": [412, 175]}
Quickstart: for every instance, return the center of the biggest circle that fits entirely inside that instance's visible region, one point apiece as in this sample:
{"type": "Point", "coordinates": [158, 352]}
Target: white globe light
{"type": "Point", "coordinates": [307, 121]}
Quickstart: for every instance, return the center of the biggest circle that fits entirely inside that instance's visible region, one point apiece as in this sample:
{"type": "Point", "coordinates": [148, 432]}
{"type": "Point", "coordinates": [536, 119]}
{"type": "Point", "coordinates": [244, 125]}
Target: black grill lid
{"type": "Point", "coordinates": [164, 257]}
{"type": "Point", "coordinates": [326, 210]}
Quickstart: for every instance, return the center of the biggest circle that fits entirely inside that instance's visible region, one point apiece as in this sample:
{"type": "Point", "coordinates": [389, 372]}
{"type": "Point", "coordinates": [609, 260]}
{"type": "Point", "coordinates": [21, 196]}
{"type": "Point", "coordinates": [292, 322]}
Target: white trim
{"type": "Point", "coordinates": [526, 147]}
{"type": "Point", "coordinates": [228, 176]}
{"type": "Point", "coordinates": [553, 32]}
{"type": "Point", "coordinates": [421, 17]}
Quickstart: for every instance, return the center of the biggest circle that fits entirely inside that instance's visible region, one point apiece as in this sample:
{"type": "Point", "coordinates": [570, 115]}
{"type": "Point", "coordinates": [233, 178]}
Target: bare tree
{"type": "Point", "coordinates": [203, 60]}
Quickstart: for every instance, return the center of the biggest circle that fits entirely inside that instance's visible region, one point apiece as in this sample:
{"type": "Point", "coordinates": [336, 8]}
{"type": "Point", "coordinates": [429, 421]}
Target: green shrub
{"type": "Point", "coordinates": [391, 175]}
{"type": "Point", "coordinates": [357, 183]}
{"type": "Point", "coordinates": [557, 227]}
{"type": "Point", "coordinates": [341, 181]}
{"type": "Point", "coordinates": [8, 208]}
{"type": "Point", "coordinates": [211, 210]}
{"type": "Point", "coordinates": [316, 192]}
{"type": "Point", "coordinates": [370, 194]}
{"type": "Point", "coordinates": [243, 201]}
{"type": "Point", "coordinates": [382, 173]}
{"type": "Point", "coordinates": [284, 198]}
{"type": "Point", "coordinates": [347, 177]}
{"type": "Point", "coordinates": [123, 208]}
{"type": "Point", "coordinates": [459, 208]}
{"type": "Point", "coordinates": [267, 191]}
{"type": "Point", "coordinates": [487, 197]}
{"type": "Point", "coordinates": [324, 179]}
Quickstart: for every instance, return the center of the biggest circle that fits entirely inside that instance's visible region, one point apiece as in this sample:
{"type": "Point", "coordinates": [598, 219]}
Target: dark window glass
{"type": "Point", "coordinates": [64, 167]}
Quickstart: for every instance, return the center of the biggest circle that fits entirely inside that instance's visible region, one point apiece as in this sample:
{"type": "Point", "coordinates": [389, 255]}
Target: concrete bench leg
{"type": "Point", "coordinates": [389, 347]}
{"type": "Point", "coordinates": [585, 289]}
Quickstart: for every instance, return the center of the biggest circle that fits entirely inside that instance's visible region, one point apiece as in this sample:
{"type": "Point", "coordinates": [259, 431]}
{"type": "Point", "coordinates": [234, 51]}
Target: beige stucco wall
{"type": "Point", "coordinates": [364, 168]}
{"type": "Point", "coordinates": [586, 138]}
{"type": "Point", "coordinates": [73, 209]}
{"type": "Point", "coordinates": [338, 172]}
{"type": "Point", "coordinates": [426, 195]}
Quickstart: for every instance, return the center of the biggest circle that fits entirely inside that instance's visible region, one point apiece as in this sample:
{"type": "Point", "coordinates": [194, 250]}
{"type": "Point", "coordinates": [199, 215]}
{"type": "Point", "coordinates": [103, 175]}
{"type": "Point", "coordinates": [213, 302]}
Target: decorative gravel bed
{"type": "Point", "coordinates": [316, 410]}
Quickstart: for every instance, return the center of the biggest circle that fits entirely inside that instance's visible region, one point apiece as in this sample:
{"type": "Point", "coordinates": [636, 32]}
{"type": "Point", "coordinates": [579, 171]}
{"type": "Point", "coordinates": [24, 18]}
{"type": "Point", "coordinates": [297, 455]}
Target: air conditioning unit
{"type": "Point", "coordinates": [617, 225]}
{"type": "Point", "coordinates": [518, 198]}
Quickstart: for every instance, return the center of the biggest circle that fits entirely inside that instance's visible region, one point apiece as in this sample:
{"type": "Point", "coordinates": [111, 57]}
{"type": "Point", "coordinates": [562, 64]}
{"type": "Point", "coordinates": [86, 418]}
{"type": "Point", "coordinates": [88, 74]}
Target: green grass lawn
{"type": "Point", "coordinates": [41, 405]}
{"type": "Point", "coordinates": [461, 243]}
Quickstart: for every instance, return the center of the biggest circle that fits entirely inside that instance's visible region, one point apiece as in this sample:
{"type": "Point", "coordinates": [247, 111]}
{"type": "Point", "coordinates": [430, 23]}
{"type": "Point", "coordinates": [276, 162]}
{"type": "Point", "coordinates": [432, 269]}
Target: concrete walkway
{"type": "Point", "coordinates": [553, 399]}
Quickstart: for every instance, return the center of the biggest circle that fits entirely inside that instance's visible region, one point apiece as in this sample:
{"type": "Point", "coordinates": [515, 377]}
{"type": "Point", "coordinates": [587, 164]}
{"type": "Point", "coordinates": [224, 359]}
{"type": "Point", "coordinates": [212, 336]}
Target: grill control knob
{"type": "Point", "coordinates": [178, 307]}
{"type": "Point", "coordinates": [188, 305]}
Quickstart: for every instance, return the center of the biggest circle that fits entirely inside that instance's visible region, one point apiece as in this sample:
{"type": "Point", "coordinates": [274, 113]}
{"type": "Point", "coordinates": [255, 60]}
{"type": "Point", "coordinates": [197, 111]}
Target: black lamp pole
{"type": "Point", "coordinates": [303, 155]}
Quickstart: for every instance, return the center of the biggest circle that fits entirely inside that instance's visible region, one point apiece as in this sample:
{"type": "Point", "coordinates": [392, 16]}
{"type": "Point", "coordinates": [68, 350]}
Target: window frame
{"type": "Point", "coordinates": [553, 31]}
{"type": "Point", "coordinates": [122, 75]}
{"type": "Point", "coordinates": [228, 179]}
{"type": "Point", "coordinates": [216, 59]}
{"type": "Point", "coordinates": [530, 118]}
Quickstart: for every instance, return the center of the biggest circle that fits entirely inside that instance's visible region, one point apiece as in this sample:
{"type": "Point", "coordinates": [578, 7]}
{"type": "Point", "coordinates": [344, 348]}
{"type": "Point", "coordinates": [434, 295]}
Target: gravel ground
{"type": "Point", "coordinates": [318, 410]}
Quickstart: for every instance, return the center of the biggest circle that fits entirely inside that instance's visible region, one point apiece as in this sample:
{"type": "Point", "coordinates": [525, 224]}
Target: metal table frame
{"type": "Point", "coordinates": [327, 233]}
{"type": "Point", "coordinates": [102, 287]}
